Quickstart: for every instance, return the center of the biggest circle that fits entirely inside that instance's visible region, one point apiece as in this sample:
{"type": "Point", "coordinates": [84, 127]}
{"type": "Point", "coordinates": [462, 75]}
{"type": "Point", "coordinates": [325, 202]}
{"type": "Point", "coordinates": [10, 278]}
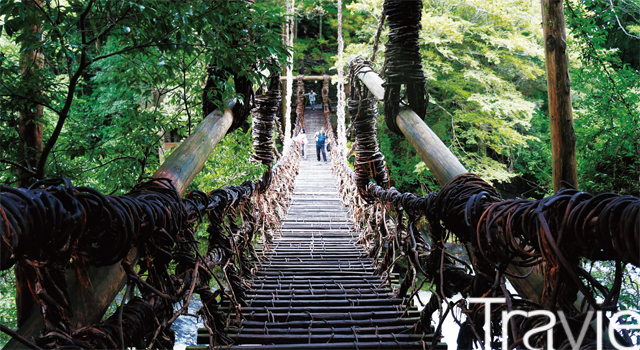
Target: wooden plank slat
{"type": "Point", "coordinates": [317, 283]}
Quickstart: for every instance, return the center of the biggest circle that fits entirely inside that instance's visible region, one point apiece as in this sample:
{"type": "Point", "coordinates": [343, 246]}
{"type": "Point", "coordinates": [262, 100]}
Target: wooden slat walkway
{"type": "Point", "coordinates": [318, 290]}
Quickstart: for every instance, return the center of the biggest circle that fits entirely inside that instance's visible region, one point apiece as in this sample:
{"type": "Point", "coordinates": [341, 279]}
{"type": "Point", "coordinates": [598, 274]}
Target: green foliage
{"type": "Point", "coordinates": [608, 132]}
{"type": "Point", "coordinates": [407, 172]}
{"type": "Point", "coordinates": [229, 163]}
{"type": "Point", "coordinates": [483, 63]}
{"type": "Point", "coordinates": [606, 99]}
{"type": "Point", "coordinates": [485, 73]}
{"type": "Point", "coordinates": [478, 59]}
{"type": "Point", "coordinates": [533, 161]}
{"type": "Point", "coordinates": [315, 51]}
{"type": "Point", "coordinates": [603, 271]}
{"type": "Point", "coordinates": [117, 76]}
{"type": "Point", "coordinates": [8, 313]}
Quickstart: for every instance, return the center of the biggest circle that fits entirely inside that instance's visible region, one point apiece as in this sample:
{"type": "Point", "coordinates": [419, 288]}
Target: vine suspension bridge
{"type": "Point", "coordinates": [313, 255]}
{"type": "Point", "coordinates": [317, 288]}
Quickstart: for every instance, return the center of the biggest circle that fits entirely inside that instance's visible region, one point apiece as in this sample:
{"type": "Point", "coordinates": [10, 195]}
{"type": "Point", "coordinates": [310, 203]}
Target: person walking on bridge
{"type": "Point", "coordinates": [320, 138]}
{"type": "Point", "coordinates": [302, 138]}
{"type": "Point", "coordinates": [312, 99]}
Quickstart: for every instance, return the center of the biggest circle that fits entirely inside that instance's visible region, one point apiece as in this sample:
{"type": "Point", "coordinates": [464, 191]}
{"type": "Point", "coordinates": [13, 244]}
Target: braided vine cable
{"type": "Point", "coordinates": [264, 116]}
{"type": "Point", "coordinates": [300, 105]}
{"type": "Point", "coordinates": [211, 92]}
{"type": "Point", "coordinates": [42, 229]}
{"type": "Point", "coordinates": [403, 62]}
{"type": "Point", "coordinates": [369, 162]}
{"type": "Point", "coordinates": [242, 109]}
{"type": "Point", "coordinates": [289, 4]}
{"type": "Point", "coordinates": [554, 233]}
{"type": "Point", "coordinates": [340, 113]}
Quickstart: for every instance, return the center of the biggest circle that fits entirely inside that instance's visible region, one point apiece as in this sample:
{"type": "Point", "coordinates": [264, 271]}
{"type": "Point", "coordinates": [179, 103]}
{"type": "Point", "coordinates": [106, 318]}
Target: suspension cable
{"type": "Point", "coordinates": [403, 62]}
{"type": "Point", "coordinates": [342, 137]}
{"type": "Point", "coordinates": [264, 116]}
{"type": "Point", "coordinates": [369, 162]}
{"type": "Point", "coordinates": [289, 69]}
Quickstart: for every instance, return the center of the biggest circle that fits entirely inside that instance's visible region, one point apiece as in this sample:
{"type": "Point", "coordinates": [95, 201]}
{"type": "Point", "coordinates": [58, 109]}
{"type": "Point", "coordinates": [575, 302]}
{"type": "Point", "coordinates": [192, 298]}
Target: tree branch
{"type": "Point", "coordinates": [112, 160]}
{"type": "Point", "coordinates": [17, 165]}
{"type": "Point", "coordinates": [30, 100]}
{"type": "Point", "coordinates": [131, 48]}
{"type": "Point", "coordinates": [590, 43]}
{"type": "Point", "coordinates": [620, 24]}
{"type": "Point", "coordinates": [64, 113]}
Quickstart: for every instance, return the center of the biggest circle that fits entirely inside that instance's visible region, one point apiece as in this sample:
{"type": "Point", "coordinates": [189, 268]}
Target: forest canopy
{"type": "Point", "coordinates": [113, 78]}
{"type": "Point", "coordinates": [109, 80]}
{"type": "Point", "coordinates": [484, 63]}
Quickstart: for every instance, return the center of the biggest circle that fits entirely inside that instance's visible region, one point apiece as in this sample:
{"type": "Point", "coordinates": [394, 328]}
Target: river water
{"type": "Point", "coordinates": [186, 327]}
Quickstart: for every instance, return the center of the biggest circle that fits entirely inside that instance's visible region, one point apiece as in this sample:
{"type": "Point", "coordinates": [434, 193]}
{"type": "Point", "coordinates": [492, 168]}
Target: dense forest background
{"type": "Point", "coordinates": [484, 63]}
{"type": "Point", "coordinates": [110, 80]}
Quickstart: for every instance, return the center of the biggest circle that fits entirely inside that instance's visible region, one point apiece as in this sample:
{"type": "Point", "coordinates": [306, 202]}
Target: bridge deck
{"type": "Point", "coordinates": [318, 290]}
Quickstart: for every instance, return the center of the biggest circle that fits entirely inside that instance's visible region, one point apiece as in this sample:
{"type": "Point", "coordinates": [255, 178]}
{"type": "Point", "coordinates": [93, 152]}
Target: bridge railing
{"type": "Point", "coordinates": [537, 245]}
{"type": "Point", "coordinates": [78, 248]}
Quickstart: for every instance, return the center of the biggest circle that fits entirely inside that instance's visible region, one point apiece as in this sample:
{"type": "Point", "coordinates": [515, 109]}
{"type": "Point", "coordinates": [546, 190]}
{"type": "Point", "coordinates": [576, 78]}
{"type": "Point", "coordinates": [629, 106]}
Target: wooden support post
{"type": "Point", "coordinates": [442, 163]}
{"type": "Point", "coordinates": [187, 160]}
{"type": "Point", "coordinates": [563, 137]}
{"type": "Point", "coordinates": [308, 78]}
{"type": "Point", "coordinates": [89, 304]}
{"type": "Point", "coordinates": [445, 166]}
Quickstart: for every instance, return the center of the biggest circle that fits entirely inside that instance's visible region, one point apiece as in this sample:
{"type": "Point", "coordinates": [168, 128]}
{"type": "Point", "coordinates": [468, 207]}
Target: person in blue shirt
{"type": "Point", "coordinates": [320, 138]}
{"type": "Point", "coordinates": [312, 99]}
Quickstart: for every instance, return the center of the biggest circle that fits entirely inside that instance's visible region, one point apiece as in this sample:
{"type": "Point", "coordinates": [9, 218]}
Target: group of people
{"type": "Point", "coordinates": [320, 138]}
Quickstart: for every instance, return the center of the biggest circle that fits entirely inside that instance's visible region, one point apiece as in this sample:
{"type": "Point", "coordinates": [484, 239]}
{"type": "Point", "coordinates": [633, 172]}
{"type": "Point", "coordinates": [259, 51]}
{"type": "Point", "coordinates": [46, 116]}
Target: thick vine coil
{"type": "Point", "coordinates": [554, 233]}
{"type": "Point", "coordinates": [52, 223]}
{"type": "Point", "coordinates": [403, 61]}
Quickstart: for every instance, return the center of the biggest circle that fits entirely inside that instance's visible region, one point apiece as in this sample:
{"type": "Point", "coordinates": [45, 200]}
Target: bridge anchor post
{"type": "Point", "coordinates": [445, 166]}
{"type": "Point", "coordinates": [90, 304]}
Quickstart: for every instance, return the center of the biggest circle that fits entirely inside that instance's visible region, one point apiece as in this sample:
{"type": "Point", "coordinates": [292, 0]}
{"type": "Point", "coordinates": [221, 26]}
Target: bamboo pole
{"type": "Point", "coordinates": [89, 303]}
{"type": "Point", "coordinates": [445, 166]}
{"type": "Point", "coordinates": [563, 137]}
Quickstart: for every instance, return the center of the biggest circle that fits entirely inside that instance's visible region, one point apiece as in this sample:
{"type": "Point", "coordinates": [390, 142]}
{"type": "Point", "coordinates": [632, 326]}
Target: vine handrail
{"type": "Point", "coordinates": [498, 233]}
{"type": "Point", "coordinates": [83, 226]}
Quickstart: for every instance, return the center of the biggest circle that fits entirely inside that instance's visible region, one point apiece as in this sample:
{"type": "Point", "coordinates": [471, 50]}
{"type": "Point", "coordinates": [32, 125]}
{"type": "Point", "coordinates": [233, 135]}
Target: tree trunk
{"type": "Point", "coordinates": [30, 123]}
{"type": "Point", "coordinates": [563, 137]}
{"type": "Point", "coordinates": [30, 131]}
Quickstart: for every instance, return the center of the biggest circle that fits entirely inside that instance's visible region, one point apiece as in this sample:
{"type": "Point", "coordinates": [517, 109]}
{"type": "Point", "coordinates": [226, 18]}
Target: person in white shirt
{"type": "Point", "coordinates": [302, 138]}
